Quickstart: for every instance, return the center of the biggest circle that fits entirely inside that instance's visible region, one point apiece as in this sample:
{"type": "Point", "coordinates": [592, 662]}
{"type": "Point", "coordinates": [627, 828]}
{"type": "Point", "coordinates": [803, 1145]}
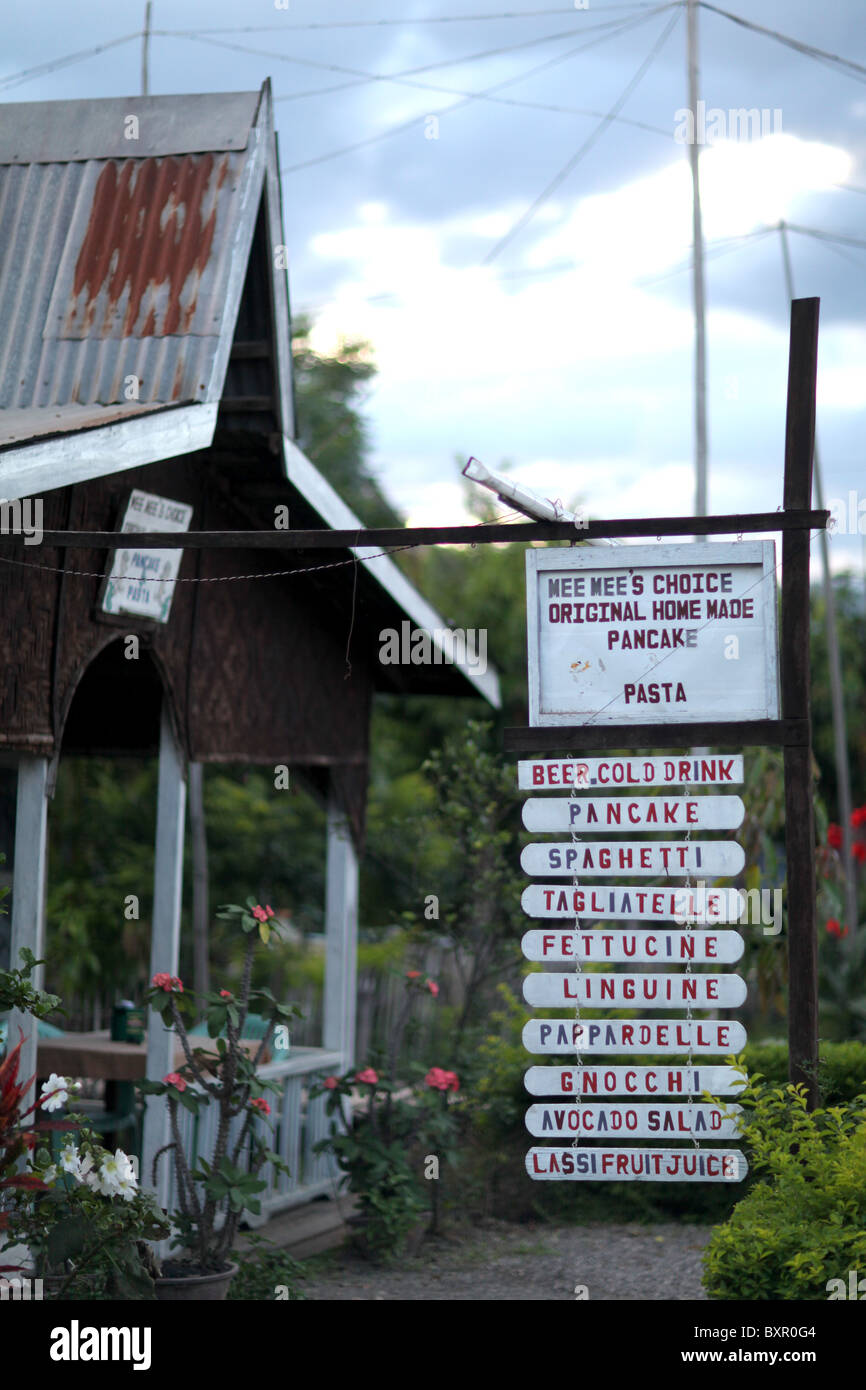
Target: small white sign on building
{"type": "Point", "coordinates": [652, 634]}
{"type": "Point", "coordinates": [141, 582]}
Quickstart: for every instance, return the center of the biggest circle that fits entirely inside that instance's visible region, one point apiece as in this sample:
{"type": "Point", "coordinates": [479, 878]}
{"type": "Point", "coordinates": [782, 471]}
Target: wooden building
{"type": "Point", "coordinates": [145, 344]}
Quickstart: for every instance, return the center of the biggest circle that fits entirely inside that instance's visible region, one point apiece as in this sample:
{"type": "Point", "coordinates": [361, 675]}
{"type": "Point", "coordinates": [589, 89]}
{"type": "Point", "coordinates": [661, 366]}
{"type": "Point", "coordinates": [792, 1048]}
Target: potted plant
{"type": "Point", "coordinates": [213, 1192]}
{"type": "Point", "coordinates": [82, 1218]}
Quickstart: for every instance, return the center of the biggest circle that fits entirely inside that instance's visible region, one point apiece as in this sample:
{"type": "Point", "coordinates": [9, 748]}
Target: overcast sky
{"type": "Point", "coordinates": [568, 350]}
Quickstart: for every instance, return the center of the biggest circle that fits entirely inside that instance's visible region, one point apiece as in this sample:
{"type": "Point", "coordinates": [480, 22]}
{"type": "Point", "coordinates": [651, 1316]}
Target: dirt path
{"type": "Point", "coordinates": [528, 1262]}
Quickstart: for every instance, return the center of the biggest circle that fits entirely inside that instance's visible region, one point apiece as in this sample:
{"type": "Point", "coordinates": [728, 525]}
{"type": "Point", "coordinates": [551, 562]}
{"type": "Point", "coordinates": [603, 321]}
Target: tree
{"type": "Point", "coordinates": [331, 431]}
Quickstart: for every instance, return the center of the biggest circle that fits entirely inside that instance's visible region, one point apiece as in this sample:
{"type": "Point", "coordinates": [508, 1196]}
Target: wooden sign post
{"type": "Point", "coordinates": [627, 653]}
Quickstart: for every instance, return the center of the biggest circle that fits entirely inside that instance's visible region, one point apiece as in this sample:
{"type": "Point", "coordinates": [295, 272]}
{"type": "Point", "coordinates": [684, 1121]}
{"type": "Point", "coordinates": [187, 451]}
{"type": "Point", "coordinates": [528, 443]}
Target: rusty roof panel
{"type": "Point", "coordinates": [115, 277]}
{"type": "Point", "coordinates": [146, 262]}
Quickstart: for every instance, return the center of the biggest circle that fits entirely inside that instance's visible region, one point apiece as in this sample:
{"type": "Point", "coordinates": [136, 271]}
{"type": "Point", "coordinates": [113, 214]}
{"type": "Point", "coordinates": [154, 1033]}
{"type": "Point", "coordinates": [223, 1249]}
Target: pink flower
{"type": "Point", "coordinates": [330, 1083]}
{"type": "Point", "coordinates": [260, 914]}
{"type": "Point", "coordinates": [225, 994]}
{"type": "Point", "coordinates": [368, 1077]}
{"type": "Point", "coordinates": [269, 910]}
{"type": "Point", "coordinates": [432, 986]}
{"type": "Point", "coordinates": [441, 1080]}
{"type": "Point", "coordinates": [413, 974]}
{"type": "Point", "coordinates": [167, 982]}
{"type": "Point", "coordinates": [173, 1079]}
{"type": "Point", "coordinates": [259, 1103]}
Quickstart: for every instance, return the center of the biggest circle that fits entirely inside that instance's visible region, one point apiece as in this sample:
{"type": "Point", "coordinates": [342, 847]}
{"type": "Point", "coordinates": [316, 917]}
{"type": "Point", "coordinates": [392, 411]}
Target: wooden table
{"type": "Point", "coordinates": [98, 1056]}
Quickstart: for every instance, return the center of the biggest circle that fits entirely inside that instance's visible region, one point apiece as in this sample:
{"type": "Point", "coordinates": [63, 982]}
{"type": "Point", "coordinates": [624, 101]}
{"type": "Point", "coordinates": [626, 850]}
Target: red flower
{"type": "Point", "coordinates": [173, 1079]}
{"type": "Point", "coordinates": [834, 928]}
{"type": "Point", "coordinates": [433, 987]}
{"type": "Point", "coordinates": [259, 1103]}
{"type": "Point", "coordinates": [413, 974]}
{"type": "Point", "coordinates": [441, 1080]}
{"type": "Point", "coordinates": [858, 849]}
{"type": "Point", "coordinates": [858, 816]}
{"type": "Point", "coordinates": [225, 994]}
{"type": "Point", "coordinates": [167, 982]}
{"type": "Point", "coordinates": [330, 1083]}
{"type": "Point", "coordinates": [834, 835]}
{"type": "Point", "coordinates": [367, 1077]}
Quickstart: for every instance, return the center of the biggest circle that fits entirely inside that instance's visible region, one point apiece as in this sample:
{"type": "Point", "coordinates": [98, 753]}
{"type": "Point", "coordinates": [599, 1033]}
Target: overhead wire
{"type": "Point", "coordinates": [15, 79]}
{"type": "Point", "coordinates": [587, 145]}
{"type": "Point", "coordinates": [412, 122]}
{"type": "Point", "coordinates": [808, 50]}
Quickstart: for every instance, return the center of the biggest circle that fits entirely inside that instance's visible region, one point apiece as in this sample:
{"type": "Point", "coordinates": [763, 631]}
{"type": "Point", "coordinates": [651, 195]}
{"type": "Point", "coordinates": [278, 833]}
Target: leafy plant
{"type": "Point", "coordinates": [213, 1193]}
{"type": "Point", "coordinates": [805, 1223]}
{"type": "Point", "coordinates": [381, 1133]}
{"type": "Point", "coordinates": [265, 1272]}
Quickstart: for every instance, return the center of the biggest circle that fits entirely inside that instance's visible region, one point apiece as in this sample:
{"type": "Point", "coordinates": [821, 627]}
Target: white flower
{"type": "Point", "coordinates": [54, 1092]}
{"type": "Point", "coordinates": [117, 1176]}
{"type": "Point", "coordinates": [49, 1174]}
{"type": "Point", "coordinates": [69, 1160]}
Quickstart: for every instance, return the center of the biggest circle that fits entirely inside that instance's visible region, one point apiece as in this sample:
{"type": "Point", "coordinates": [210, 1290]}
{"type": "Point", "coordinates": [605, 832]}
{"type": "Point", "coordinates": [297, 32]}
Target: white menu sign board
{"type": "Point", "coordinates": [141, 582]}
{"type": "Point", "coordinates": [652, 634]}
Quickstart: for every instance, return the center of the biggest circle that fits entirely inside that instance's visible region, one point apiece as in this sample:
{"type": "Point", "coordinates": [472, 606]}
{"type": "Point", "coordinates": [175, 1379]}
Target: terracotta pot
{"type": "Point", "coordinates": [202, 1288]}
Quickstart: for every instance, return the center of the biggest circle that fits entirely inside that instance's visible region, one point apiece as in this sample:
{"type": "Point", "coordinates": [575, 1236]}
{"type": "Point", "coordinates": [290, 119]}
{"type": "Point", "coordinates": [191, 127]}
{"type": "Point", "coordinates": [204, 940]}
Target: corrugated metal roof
{"type": "Point", "coordinates": [120, 278]}
{"type": "Point", "coordinates": [57, 132]}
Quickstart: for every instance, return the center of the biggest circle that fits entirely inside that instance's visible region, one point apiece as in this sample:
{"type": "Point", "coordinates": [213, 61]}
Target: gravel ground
{"type": "Point", "coordinates": [527, 1262]}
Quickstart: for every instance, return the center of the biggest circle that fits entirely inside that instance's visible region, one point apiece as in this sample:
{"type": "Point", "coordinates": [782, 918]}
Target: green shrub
{"type": "Point", "coordinates": [803, 1222]}
{"type": "Point", "coordinates": [266, 1273]}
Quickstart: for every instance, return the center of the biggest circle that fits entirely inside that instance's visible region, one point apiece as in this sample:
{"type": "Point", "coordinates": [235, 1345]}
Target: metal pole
{"type": "Point", "coordinates": [145, 50]}
{"type": "Point", "coordinates": [697, 271]}
{"type": "Point", "coordinates": [840, 736]}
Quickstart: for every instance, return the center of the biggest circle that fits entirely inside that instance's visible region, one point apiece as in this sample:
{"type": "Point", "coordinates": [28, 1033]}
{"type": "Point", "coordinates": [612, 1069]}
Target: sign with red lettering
{"type": "Point", "coordinates": [634, 1081]}
{"type": "Point", "coordinates": [652, 634]}
{"type": "Point", "coordinates": [594, 816]}
{"type": "Point", "coordinates": [642, 1165]}
{"type": "Point", "coordinates": [627, 1036]}
{"type": "Point", "coordinates": [640, 947]}
{"type": "Point", "coordinates": [649, 858]}
{"type": "Point", "coordinates": [701, 906]}
{"type": "Point", "coordinates": [625, 1120]}
{"type": "Point", "coordinates": [712, 771]}
{"type": "Point", "coordinates": [650, 991]}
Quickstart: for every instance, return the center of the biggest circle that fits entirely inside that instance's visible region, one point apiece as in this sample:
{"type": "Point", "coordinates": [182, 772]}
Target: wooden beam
{"type": "Point", "coordinates": [254, 350]}
{"type": "Point", "coordinates": [756, 732]}
{"type": "Point", "coordinates": [322, 538]}
{"type": "Point", "coordinates": [795, 682]}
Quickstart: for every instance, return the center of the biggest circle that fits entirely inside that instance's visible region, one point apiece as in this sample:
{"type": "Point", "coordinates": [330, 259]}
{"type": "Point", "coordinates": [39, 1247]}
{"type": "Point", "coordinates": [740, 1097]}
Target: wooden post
{"type": "Point", "coordinates": [28, 896]}
{"type": "Point", "coordinates": [164, 945]}
{"type": "Point", "coordinates": [795, 682]}
{"type": "Point", "coordinates": [341, 932]}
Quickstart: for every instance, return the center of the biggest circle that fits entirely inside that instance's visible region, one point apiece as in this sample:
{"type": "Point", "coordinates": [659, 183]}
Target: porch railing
{"type": "Point", "coordinates": [296, 1123]}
